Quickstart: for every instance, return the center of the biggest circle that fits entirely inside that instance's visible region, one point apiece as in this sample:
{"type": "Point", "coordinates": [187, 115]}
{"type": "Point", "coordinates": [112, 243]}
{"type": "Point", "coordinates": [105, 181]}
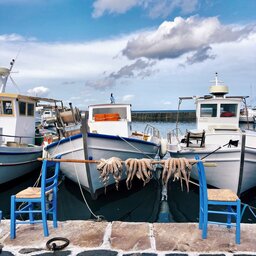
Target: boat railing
{"type": "Point", "coordinates": [152, 131]}
{"type": "Point", "coordinates": [19, 138]}
{"type": "Point", "coordinates": [175, 133]}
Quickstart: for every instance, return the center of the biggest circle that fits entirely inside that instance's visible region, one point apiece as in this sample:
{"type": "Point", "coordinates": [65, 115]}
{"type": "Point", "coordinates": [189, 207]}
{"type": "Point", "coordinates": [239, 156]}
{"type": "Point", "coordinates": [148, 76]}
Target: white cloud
{"type": "Point", "coordinates": [167, 103]}
{"type": "Point", "coordinates": [155, 8]}
{"type": "Point", "coordinates": [164, 8]}
{"type": "Point", "coordinates": [128, 98]}
{"type": "Point", "coordinates": [11, 38]}
{"type": "Point", "coordinates": [40, 91]}
{"type": "Point", "coordinates": [113, 6]}
{"type": "Point", "coordinates": [71, 62]}
{"type": "Point", "coordinates": [65, 68]}
{"type": "Point", "coordinates": [174, 38]}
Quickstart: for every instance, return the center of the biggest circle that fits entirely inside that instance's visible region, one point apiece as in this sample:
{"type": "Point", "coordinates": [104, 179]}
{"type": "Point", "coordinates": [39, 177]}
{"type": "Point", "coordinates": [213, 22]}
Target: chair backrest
{"type": "Point", "coordinates": [202, 178]}
{"type": "Point", "coordinates": [50, 173]}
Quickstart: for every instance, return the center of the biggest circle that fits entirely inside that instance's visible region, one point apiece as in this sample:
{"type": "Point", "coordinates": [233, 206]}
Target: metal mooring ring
{"type": "Point", "coordinates": [54, 247]}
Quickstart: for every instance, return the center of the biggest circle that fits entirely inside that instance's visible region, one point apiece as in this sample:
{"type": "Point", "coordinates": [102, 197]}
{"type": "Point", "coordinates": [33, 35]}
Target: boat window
{"type": "Point", "coordinates": [22, 108]}
{"type": "Point", "coordinates": [228, 110]}
{"type": "Point", "coordinates": [30, 109]}
{"type": "Point", "coordinates": [208, 110]}
{"type": "Point", "coordinates": [7, 107]}
{"type": "Point", "coordinates": [121, 111]}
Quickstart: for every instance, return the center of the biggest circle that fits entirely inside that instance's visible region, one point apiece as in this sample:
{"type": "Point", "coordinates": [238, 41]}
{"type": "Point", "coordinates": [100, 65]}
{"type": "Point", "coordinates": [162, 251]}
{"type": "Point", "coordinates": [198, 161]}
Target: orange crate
{"type": "Point", "coordinates": [112, 117]}
{"type": "Point", "coordinates": [100, 117]}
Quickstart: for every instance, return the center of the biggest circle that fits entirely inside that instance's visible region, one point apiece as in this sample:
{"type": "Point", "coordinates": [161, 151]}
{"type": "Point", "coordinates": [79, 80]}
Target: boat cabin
{"type": "Point", "coordinates": [17, 122]}
{"type": "Point", "coordinates": [111, 119]}
{"type": "Point", "coordinates": [218, 114]}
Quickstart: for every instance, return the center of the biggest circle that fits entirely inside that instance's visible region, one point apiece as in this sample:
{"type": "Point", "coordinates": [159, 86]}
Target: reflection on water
{"type": "Point", "coordinates": [138, 204]}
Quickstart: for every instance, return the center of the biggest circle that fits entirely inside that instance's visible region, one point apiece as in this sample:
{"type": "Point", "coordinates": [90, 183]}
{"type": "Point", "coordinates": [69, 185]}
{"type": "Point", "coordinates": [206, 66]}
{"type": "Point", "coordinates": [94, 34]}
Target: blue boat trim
{"type": "Point", "coordinates": [96, 135]}
{"type": "Point", "coordinates": [21, 153]}
{"type": "Point", "coordinates": [18, 163]}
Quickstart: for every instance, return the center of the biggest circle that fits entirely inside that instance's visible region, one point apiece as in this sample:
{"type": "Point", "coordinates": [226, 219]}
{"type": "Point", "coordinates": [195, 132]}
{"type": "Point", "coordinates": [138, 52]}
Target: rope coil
{"type": "Point", "coordinates": [54, 247]}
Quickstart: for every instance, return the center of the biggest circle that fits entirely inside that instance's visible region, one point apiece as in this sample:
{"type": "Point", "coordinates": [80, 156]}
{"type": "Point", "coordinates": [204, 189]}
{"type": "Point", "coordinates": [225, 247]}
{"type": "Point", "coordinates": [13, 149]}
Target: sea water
{"type": "Point", "coordinates": [140, 203]}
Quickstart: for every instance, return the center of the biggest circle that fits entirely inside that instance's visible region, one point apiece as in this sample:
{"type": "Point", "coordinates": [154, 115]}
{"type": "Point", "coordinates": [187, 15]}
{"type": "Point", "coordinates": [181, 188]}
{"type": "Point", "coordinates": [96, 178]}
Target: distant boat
{"type": "Point", "coordinates": [107, 133]}
{"type": "Point", "coordinates": [247, 115]}
{"type": "Point", "coordinates": [18, 152]}
{"type": "Point", "coordinates": [219, 139]}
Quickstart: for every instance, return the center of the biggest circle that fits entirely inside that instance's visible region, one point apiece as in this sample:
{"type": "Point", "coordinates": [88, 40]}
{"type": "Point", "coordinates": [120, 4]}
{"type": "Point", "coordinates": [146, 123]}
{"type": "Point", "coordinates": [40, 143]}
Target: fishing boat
{"type": "Point", "coordinates": [218, 138]}
{"type": "Point", "coordinates": [106, 133]}
{"type": "Point", "coordinates": [18, 148]}
{"type": "Point", "coordinates": [247, 115]}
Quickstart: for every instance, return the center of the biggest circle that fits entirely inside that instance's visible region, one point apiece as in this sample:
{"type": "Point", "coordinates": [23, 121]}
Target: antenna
{"type": "Point", "coordinates": [218, 89]}
{"type": "Point", "coordinates": [5, 73]}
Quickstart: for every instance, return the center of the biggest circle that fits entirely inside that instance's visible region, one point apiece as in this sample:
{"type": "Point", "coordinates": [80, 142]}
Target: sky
{"type": "Point", "coordinates": [146, 52]}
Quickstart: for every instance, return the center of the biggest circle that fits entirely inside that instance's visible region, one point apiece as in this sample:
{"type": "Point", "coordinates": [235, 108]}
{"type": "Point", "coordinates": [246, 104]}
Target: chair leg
{"type": "Point", "coordinates": [238, 220]}
{"type": "Point", "coordinates": [201, 211]}
{"type": "Point", "coordinates": [44, 219]}
{"type": "Point", "coordinates": [201, 218]}
{"type": "Point", "coordinates": [205, 223]}
{"type": "Point", "coordinates": [229, 216]}
{"type": "Point", "coordinates": [54, 212]}
{"type": "Point", "coordinates": [13, 218]}
{"type": "Point", "coordinates": [31, 215]}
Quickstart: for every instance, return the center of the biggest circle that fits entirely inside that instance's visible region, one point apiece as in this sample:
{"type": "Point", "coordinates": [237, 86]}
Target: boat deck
{"type": "Point", "coordinates": [125, 238]}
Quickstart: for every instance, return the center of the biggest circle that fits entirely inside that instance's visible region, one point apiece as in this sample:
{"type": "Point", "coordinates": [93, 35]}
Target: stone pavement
{"type": "Point", "coordinates": [89, 238]}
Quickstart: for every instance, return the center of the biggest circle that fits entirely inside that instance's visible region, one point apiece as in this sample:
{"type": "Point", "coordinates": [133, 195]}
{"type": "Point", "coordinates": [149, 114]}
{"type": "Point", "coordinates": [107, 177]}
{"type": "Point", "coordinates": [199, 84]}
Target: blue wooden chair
{"type": "Point", "coordinates": [224, 198]}
{"type": "Point", "coordinates": [37, 200]}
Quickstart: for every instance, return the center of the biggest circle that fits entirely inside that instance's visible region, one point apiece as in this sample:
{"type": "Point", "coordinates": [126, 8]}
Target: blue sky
{"type": "Point", "coordinates": [145, 52]}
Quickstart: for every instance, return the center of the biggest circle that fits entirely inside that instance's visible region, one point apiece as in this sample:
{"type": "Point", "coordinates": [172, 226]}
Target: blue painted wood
{"type": "Point", "coordinates": [233, 208]}
{"type": "Point", "coordinates": [49, 183]}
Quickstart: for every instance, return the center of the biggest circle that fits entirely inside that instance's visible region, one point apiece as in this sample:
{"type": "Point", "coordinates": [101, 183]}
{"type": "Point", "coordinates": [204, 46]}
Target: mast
{"type": "Point", "coordinates": [4, 74]}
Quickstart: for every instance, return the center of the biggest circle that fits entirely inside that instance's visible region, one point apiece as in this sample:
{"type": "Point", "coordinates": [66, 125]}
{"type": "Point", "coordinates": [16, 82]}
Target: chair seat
{"type": "Point", "coordinates": [30, 192]}
{"type": "Point", "coordinates": [221, 195]}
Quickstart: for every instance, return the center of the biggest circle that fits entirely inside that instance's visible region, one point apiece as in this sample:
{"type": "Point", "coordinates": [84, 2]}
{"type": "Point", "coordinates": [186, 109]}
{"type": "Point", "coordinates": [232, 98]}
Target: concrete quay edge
{"type": "Point", "coordinates": [88, 238]}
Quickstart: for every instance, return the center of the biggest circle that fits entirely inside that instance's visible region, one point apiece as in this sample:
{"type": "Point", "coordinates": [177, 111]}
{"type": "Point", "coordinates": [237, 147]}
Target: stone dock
{"type": "Point", "coordinates": [90, 238]}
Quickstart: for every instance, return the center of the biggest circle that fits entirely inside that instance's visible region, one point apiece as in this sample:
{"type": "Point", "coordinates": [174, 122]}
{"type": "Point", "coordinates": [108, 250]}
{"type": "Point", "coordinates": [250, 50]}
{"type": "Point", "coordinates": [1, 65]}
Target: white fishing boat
{"type": "Point", "coordinates": [219, 139]}
{"type": "Point", "coordinates": [247, 115]}
{"type": "Point", "coordinates": [107, 133]}
{"type": "Point", "coordinates": [18, 152]}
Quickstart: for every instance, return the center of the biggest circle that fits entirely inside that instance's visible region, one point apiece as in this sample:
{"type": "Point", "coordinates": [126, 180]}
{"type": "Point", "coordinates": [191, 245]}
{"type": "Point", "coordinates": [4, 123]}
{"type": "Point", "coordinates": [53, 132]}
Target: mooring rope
{"type": "Point", "coordinates": [250, 209]}
{"type": "Point", "coordinates": [137, 149]}
{"type": "Point", "coordinates": [98, 217]}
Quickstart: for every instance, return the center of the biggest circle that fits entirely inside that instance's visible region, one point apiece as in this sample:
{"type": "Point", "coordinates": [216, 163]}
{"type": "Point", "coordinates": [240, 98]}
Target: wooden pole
{"type": "Point", "coordinates": [82, 161]}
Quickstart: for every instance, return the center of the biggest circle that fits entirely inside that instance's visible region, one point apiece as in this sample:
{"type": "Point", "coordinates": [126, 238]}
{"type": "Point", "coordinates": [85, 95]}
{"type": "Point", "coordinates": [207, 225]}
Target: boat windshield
{"type": "Point", "coordinates": [208, 110]}
{"type": "Point", "coordinates": [26, 108]}
{"type": "Point", "coordinates": [6, 107]}
{"type": "Point", "coordinates": [228, 110]}
{"type": "Point", "coordinates": [211, 110]}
